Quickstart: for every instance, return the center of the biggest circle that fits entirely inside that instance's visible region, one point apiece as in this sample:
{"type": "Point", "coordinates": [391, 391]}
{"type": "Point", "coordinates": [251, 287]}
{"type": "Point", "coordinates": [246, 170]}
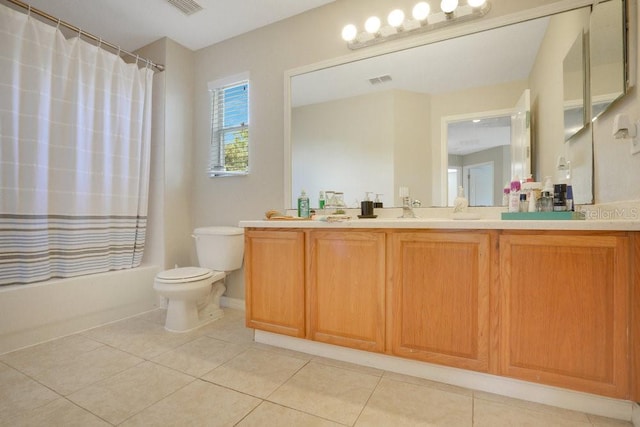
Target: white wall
{"type": "Point", "coordinates": [616, 172]}
{"type": "Point", "coordinates": [482, 99]}
{"type": "Point", "coordinates": [547, 108]}
{"type": "Point", "coordinates": [171, 196]}
{"type": "Point", "coordinates": [362, 124]}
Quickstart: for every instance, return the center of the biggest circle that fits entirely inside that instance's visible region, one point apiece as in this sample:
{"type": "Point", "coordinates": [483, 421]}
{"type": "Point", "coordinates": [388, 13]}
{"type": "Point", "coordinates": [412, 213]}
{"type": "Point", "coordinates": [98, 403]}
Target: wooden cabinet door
{"type": "Point", "coordinates": [564, 305]}
{"type": "Point", "coordinates": [274, 281]}
{"type": "Point", "coordinates": [346, 288]}
{"type": "Point", "coordinates": [635, 321]}
{"type": "Point", "coordinates": [440, 292]}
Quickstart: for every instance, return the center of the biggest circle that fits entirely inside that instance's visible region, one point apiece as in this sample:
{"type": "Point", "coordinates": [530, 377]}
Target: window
{"type": "Point", "coordinates": [229, 127]}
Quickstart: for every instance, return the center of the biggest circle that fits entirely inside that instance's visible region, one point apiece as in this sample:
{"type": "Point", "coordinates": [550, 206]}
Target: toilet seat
{"type": "Point", "coordinates": [188, 275]}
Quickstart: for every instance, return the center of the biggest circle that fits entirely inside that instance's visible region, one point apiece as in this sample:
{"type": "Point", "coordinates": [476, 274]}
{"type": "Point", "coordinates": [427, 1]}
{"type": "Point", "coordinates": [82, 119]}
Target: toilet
{"type": "Point", "coordinates": [193, 293]}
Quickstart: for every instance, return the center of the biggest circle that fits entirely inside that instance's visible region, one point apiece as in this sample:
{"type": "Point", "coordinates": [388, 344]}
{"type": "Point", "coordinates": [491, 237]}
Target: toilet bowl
{"type": "Point", "coordinates": [190, 292]}
{"type": "Point", "coordinates": [193, 293]}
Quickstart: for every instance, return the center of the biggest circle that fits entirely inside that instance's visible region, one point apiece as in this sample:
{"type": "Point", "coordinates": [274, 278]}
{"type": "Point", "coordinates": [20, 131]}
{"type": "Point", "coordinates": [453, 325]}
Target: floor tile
{"type": "Point", "coordinates": [140, 337]}
{"type": "Point", "coordinates": [428, 383]}
{"type": "Point", "coordinates": [255, 372]}
{"type": "Point", "coordinates": [326, 391]}
{"type": "Point", "coordinates": [283, 351]}
{"type": "Point", "coordinates": [349, 366]}
{"type": "Point", "coordinates": [229, 330]}
{"type": "Point", "coordinates": [50, 352]}
{"type": "Point", "coordinates": [59, 413]}
{"type": "Point", "coordinates": [158, 316]}
{"type": "Point", "coordinates": [488, 413]}
{"type": "Point", "coordinates": [20, 394]}
{"type": "Point", "coordinates": [608, 422]}
{"type": "Point", "coordinates": [272, 415]}
{"type": "Point", "coordinates": [72, 374]}
{"type": "Point", "coordinates": [200, 356]}
{"type": "Point", "coordinates": [396, 403]}
{"type": "Point", "coordinates": [121, 396]}
{"type": "Point", "coordinates": [198, 404]}
{"type": "Point", "coordinates": [553, 411]}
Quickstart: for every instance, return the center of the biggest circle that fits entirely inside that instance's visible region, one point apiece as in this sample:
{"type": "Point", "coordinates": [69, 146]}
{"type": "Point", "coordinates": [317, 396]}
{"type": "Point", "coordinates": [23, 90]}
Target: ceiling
{"type": "Point", "coordinates": [482, 59]}
{"type": "Point", "coordinates": [132, 24]}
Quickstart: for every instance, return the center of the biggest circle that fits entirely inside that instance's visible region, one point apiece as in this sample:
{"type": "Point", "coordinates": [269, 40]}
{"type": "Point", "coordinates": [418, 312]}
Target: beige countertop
{"type": "Point", "coordinates": [623, 217]}
{"type": "Point", "coordinates": [437, 223]}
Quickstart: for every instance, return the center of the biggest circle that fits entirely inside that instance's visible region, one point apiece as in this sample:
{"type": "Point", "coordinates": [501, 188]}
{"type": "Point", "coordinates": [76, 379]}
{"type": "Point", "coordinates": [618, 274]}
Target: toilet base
{"type": "Point", "coordinates": [185, 315]}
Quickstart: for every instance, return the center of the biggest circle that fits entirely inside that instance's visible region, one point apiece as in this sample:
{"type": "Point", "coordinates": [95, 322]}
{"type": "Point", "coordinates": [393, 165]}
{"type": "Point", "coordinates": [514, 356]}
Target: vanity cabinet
{"type": "Point", "coordinates": [564, 302]}
{"type": "Point", "coordinates": [635, 321]}
{"type": "Point", "coordinates": [274, 273]}
{"type": "Point", "coordinates": [346, 301]}
{"type": "Point", "coordinates": [556, 307]}
{"type": "Point", "coordinates": [440, 297]}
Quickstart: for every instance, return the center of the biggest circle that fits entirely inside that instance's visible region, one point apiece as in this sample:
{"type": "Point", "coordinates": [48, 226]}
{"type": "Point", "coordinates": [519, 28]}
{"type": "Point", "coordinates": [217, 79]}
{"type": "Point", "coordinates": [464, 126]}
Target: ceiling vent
{"type": "Point", "coordinates": [188, 7]}
{"type": "Point", "coordinates": [380, 79]}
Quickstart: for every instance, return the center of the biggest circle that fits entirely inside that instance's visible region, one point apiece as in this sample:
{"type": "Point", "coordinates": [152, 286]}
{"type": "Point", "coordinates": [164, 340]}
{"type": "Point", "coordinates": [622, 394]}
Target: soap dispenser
{"type": "Point", "coordinates": [377, 203]}
{"type": "Point", "coordinates": [366, 206]}
{"type": "Point", "coordinates": [460, 204]}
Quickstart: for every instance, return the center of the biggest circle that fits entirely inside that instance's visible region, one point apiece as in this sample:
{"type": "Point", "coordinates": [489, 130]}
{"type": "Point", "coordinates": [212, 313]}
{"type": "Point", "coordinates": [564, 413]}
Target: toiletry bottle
{"type": "Point", "coordinates": [570, 205]}
{"type": "Point", "coordinates": [546, 202]}
{"type": "Point", "coordinates": [303, 205]}
{"type": "Point", "coordinates": [514, 195]}
{"type": "Point", "coordinates": [377, 203]}
{"type": "Point", "coordinates": [321, 200]}
{"type": "Point", "coordinates": [524, 206]}
{"type": "Point", "coordinates": [366, 206]}
{"type": "Point", "coordinates": [505, 194]}
{"type": "Point", "coordinates": [460, 203]}
{"type": "Point", "coordinates": [560, 197]}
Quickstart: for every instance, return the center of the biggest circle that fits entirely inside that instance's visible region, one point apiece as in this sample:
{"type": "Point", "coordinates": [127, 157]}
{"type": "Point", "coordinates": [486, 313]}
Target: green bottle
{"type": "Point", "coordinates": [303, 205]}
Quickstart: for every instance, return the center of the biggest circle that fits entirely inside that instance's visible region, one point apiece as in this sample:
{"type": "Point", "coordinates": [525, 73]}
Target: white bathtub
{"type": "Point", "coordinates": [30, 314]}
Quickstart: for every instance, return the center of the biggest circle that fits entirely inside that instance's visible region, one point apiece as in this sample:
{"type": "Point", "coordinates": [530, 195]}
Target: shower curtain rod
{"type": "Point", "coordinates": [81, 32]}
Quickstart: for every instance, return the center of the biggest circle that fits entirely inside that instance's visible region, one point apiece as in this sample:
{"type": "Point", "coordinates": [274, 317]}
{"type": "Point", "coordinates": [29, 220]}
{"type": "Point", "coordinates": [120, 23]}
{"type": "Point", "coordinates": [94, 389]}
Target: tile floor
{"type": "Point", "coordinates": [134, 373]}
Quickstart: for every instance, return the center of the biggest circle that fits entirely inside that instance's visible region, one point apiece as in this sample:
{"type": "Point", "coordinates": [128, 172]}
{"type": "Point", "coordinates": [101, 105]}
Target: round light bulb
{"type": "Point", "coordinates": [448, 6]}
{"type": "Point", "coordinates": [476, 3]}
{"type": "Point", "coordinates": [395, 18]}
{"type": "Point", "coordinates": [421, 11]}
{"type": "Point", "coordinates": [372, 25]}
{"type": "Point", "coordinates": [349, 32]}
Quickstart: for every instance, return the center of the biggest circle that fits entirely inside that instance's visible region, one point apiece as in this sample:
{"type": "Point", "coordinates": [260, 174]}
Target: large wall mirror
{"type": "Point", "coordinates": [436, 116]}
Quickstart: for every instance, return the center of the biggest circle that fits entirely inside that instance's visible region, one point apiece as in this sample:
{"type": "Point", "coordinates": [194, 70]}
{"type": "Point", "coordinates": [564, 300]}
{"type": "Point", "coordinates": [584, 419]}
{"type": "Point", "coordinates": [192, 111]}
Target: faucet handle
{"type": "Point", "coordinates": [416, 203]}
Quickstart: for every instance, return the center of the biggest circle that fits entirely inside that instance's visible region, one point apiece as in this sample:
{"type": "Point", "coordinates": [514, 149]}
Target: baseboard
{"type": "Point", "coordinates": [553, 396]}
{"type": "Point", "coordinates": [237, 304]}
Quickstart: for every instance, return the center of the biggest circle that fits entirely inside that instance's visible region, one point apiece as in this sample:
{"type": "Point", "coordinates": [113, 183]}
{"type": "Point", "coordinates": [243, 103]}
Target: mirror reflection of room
{"type": "Point", "coordinates": [377, 124]}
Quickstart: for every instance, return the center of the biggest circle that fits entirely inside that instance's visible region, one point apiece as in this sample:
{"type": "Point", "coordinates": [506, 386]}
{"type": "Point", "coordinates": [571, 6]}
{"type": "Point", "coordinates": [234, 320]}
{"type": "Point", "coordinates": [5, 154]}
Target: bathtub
{"type": "Point", "coordinates": [31, 314]}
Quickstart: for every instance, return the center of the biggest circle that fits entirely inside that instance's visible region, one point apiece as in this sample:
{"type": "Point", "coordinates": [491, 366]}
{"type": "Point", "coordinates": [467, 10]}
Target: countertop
{"type": "Point", "coordinates": [598, 217]}
{"type": "Point", "coordinates": [444, 223]}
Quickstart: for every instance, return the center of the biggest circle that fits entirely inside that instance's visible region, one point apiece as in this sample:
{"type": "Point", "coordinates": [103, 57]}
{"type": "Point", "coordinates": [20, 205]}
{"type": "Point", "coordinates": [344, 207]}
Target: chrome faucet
{"type": "Point", "coordinates": [407, 207]}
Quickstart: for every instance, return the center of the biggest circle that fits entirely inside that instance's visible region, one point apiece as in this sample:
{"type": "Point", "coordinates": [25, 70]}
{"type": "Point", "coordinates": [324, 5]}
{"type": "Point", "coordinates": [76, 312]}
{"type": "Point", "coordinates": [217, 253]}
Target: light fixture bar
{"type": "Point", "coordinates": [414, 26]}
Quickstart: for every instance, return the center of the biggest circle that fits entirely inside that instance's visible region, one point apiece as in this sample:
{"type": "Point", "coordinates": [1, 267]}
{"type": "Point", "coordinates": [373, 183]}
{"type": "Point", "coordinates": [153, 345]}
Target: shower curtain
{"type": "Point", "coordinates": [74, 154]}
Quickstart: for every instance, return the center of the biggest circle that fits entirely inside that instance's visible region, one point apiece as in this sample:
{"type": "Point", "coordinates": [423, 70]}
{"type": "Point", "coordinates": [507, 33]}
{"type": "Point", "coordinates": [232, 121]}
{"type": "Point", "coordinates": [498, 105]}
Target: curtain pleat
{"type": "Point", "coordinates": [75, 127]}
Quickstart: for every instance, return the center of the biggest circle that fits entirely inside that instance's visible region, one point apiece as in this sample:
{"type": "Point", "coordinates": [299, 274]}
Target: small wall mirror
{"type": "Point", "coordinates": [573, 79]}
{"type": "Point", "coordinates": [607, 43]}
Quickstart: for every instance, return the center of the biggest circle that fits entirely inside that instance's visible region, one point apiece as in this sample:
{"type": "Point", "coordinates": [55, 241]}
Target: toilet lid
{"type": "Point", "coordinates": [184, 273]}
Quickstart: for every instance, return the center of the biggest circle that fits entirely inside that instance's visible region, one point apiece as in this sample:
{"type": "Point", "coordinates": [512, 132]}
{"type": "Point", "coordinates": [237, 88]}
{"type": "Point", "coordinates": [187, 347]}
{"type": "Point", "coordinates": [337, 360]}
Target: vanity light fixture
{"type": "Point", "coordinates": [422, 20]}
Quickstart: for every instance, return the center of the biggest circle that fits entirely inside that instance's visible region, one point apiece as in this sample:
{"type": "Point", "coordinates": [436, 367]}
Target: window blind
{"type": "Point", "coordinates": [229, 129]}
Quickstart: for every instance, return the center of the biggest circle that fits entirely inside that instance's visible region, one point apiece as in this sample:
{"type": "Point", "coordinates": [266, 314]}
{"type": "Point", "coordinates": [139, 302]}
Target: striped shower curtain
{"type": "Point", "coordinates": [74, 154]}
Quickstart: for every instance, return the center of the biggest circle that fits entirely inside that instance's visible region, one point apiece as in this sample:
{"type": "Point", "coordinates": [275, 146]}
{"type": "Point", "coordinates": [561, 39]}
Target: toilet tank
{"type": "Point", "coordinates": [220, 248]}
